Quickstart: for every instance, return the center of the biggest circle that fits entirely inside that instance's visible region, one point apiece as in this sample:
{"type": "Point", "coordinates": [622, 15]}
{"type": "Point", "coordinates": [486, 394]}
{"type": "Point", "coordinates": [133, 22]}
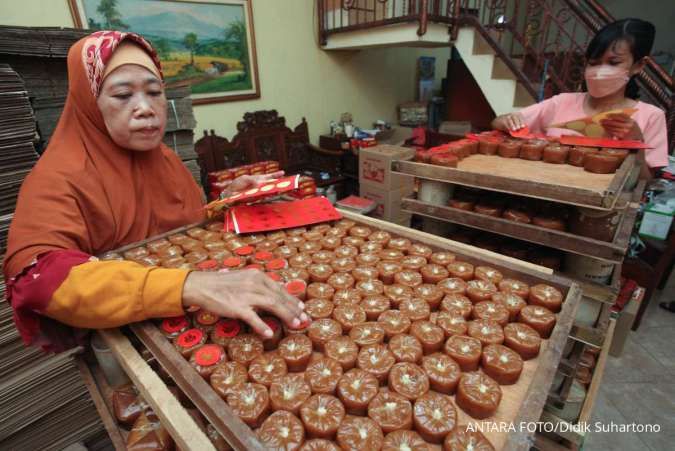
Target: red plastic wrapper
{"type": "Point", "coordinates": [208, 265]}
{"type": "Point", "coordinates": [207, 358]}
{"type": "Point", "coordinates": [187, 342]}
{"type": "Point", "coordinates": [205, 320]}
{"type": "Point", "coordinates": [173, 327]}
{"type": "Point", "coordinates": [225, 330]}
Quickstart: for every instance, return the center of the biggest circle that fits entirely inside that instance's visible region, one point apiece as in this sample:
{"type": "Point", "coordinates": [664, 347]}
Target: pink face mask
{"type": "Point", "coordinates": [604, 79]}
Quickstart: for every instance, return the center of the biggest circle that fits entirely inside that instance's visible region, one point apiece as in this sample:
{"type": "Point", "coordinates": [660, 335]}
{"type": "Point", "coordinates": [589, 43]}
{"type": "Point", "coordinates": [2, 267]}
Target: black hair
{"type": "Point", "coordinates": [638, 33]}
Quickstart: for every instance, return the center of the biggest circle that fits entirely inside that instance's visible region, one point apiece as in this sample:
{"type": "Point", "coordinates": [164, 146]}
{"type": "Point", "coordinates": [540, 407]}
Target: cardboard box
{"type": "Point", "coordinates": [388, 201]}
{"type": "Point", "coordinates": [375, 167]}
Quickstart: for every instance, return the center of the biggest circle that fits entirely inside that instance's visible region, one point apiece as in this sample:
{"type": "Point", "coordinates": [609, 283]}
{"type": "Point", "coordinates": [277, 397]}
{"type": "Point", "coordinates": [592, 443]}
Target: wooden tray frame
{"type": "Point", "coordinates": [575, 437]}
{"type": "Point", "coordinates": [241, 437]}
{"type": "Point", "coordinates": [618, 247]}
{"type": "Point", "coordinates": [548, 191]}
{"type": "Point", "coordinates": [608, 251]}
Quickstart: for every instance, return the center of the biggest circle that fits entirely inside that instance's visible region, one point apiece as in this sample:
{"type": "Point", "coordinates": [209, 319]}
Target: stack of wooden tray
{"type": "Point", "coordinates": [534, 179]}
{"type": "Point", "coordinates": [563, 184]}
{"type": "Point", "coordinates": [522, 402]}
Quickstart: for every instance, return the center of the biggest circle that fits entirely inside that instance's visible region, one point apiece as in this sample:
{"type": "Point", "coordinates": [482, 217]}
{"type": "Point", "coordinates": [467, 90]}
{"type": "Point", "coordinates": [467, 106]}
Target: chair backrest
{"type": "Point", "coordinates": [261, 135]}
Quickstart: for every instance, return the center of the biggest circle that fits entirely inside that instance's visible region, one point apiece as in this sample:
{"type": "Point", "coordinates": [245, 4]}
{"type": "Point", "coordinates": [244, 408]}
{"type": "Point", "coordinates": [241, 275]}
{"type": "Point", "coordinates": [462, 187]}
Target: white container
{"type": "Point", "coordinates": [588, 312]}
{"type": "Point", "coordinates": [435, 193]}
{"type": "Point", "coordinates": [331, 194]}
{"type": "Point", "coordinates": [590, 269]}
{"type": "Point", "coordinates": [112, 370]}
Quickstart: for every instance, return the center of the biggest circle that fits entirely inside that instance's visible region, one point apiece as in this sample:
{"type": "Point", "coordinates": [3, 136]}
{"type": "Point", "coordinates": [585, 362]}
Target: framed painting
{"type": "Point", "coordinates": [208, 44]}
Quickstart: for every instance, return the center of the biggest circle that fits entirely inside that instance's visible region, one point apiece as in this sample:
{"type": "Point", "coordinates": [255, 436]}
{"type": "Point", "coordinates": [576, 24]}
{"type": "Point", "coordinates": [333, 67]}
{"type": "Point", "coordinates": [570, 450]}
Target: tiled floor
{"type": "Point", "coordinates": [639, 387]}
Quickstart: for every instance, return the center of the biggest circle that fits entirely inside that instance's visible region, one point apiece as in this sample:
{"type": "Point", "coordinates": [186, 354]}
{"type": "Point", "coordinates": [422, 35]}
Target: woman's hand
{"type": "Point", "coordinates": [622, 126]}
{"type": "Point", "coordinates": [509, 122]}
{"type": "Point", "coordinates": [246, 182]}
{"type": "Point", "coordinates": [241, 295]}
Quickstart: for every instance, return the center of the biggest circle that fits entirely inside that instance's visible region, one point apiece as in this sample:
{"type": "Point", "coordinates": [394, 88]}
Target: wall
{"type": "Point", "coordinates": [297, 78]}
{"type": "Point", "coordinates": [656, 11]}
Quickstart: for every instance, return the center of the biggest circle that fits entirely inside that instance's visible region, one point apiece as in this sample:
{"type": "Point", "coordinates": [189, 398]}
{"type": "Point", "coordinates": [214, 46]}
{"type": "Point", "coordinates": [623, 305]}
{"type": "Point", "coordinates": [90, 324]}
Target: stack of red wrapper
{"type": "Point", "coordinates": [306, 188]}
{"type": "Point", "coordinates": [219, 180]}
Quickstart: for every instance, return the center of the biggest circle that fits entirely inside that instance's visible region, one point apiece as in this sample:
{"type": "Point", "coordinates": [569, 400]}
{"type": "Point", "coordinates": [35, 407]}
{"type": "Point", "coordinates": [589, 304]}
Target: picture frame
{"type": "Point", "coordinates": [208, 44]}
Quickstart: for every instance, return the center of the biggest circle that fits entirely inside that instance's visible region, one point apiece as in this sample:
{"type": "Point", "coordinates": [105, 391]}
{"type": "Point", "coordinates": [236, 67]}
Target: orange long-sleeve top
{"type": "Point", "coordinates": [102, 294]}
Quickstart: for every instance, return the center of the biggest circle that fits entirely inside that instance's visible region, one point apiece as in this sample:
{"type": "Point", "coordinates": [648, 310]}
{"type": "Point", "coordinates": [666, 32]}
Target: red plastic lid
{"type": "Point", "coordinates": [263, 255]}
{"type": "Point", "coordinates": [206, 318]}
{"type": "Point", "coordinates": [273, 323]}
{"type": "Point", "coordinates": [244, 250]}
{"type": "Point", "coordinates": [175, 324]}
{"type": "Point", "coordinates": [274, 276]}
{"type": "Point", "coordinates": [277, 263]}
{"type": "Point", "coordinates": [190, 338]}
{"type": "Point", "coordinates": [227, 328]}
{"type": "Point", "coordinates": [232, 262]}
{"type": "Point", "coordinates": [208, 355]}
{"type": "Point", "coordinates": [296, 287]}
{"type": "Point", "coordinates": [254, 266]}
{"type": "Point", "coordinates": [207, 264]}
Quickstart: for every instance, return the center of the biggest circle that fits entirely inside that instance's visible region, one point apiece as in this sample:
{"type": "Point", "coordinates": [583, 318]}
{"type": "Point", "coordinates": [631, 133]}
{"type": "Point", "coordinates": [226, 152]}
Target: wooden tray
{"type": "Point", "coordinates": [608, 251]}
{"type": "Point", "coordinates": [554, 182]}
{"type": "Point", "coordinates": [521, 403]}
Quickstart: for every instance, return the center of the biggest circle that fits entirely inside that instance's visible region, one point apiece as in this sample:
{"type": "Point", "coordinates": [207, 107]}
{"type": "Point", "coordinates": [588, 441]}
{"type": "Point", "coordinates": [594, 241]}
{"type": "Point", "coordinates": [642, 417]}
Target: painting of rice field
{"type": "Point", "coordinates": [209, 45]}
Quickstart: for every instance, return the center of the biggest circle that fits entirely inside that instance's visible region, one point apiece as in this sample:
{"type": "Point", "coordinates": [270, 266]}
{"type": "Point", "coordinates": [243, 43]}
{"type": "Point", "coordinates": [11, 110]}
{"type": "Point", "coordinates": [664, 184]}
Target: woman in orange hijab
{"type": "Point", "coordinates": [107, 180]}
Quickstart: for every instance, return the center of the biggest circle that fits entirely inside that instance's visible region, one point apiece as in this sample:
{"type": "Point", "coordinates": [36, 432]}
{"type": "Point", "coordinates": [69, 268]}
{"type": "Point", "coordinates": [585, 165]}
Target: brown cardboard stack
{"type": "Point", "coordinates": [379, 184]}
{"type": "Point", "coordinates": [44, 403]}
{"type": "Point", "coordinates": [17, 134]}
{"type": "Point", "coordinates": [180, 124]}
{"type": "Point", "coordinates": [38, 55]}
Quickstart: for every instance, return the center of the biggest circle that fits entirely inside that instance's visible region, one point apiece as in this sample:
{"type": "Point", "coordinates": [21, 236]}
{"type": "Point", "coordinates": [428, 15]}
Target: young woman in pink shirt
{"type": "Point", "coordinates": [614, 57]}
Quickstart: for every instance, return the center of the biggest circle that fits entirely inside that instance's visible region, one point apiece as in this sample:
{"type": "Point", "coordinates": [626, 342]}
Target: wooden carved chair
{"type": "Point", "coordinates": [263, 135]}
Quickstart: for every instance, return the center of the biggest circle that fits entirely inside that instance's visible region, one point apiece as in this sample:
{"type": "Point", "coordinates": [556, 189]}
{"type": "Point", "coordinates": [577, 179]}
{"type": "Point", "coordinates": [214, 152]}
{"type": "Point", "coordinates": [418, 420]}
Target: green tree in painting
{"type": "Point", "coordinates": [162, 47]}
{"type": "Point", "coordinates": [190, 42]}
{"type": "Point", "coordinates": [112, 19]}
{"type": "Point", "coordinates": [93, 25]}
{"type": "Point", "coordinates": [235, 35]}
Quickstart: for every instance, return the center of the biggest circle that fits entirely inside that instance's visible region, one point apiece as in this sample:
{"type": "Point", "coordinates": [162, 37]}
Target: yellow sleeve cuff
{"type": "Point", "coordinates": [163, 292]}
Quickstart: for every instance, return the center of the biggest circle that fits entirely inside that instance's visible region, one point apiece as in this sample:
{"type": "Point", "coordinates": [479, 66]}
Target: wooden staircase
{"type": "Point", "coordinates": [499, 84]}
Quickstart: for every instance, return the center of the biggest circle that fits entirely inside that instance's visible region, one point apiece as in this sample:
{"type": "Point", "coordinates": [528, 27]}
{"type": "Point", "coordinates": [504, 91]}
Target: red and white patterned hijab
{"type": "Point", "coordinates": [99, 47]}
